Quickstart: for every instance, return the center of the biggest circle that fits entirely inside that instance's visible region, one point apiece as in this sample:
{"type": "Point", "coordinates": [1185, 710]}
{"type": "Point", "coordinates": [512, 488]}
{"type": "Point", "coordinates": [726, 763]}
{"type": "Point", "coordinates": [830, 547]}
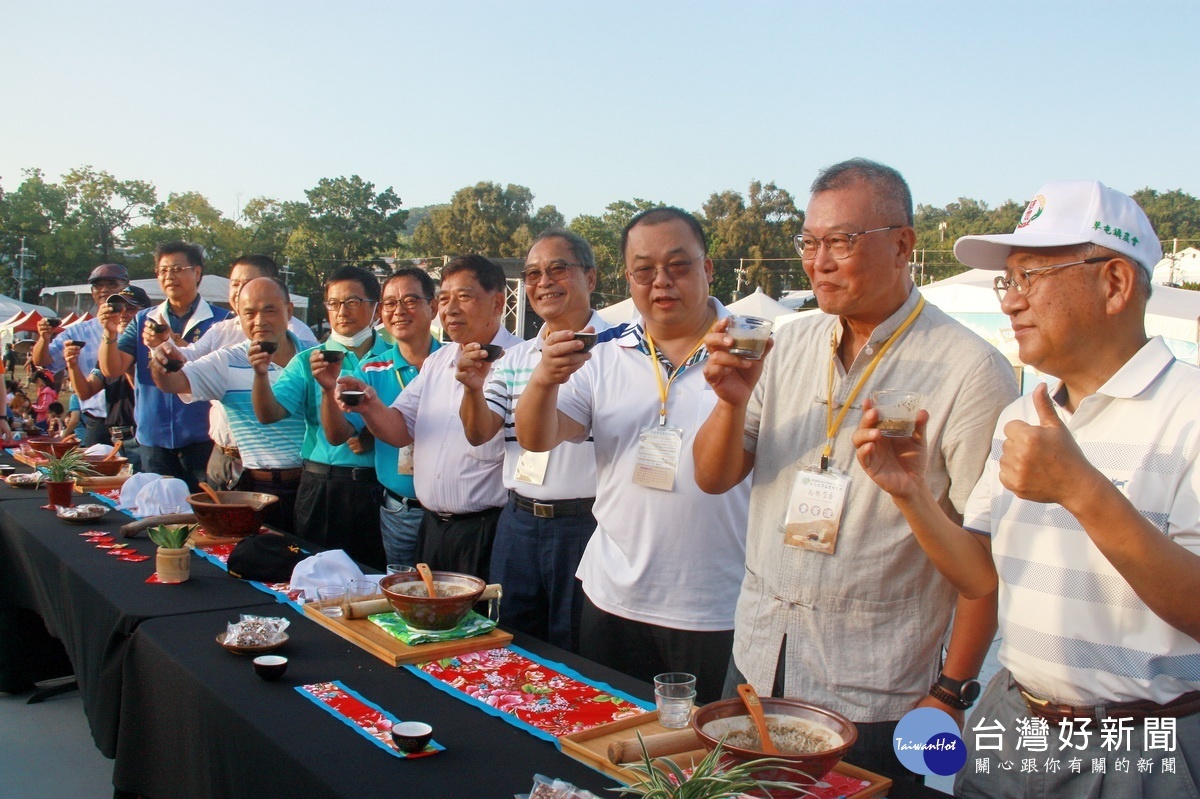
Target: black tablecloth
{"type": "Point", "coordinates": [93, 602]}
{"type": "Point", "coordinates": [197, 722]}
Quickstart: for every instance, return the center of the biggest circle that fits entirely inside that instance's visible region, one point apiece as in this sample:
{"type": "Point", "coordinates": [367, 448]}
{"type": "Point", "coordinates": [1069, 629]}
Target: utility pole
{"type": "Point", "coordinates": [286, 273]}
{"type": "Point", "coordinates": [19, 271]}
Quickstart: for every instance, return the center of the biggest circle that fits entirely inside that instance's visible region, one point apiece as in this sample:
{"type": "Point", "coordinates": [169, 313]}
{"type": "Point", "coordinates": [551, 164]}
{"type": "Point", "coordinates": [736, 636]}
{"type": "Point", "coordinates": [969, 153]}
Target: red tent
{"type": "Point", "coordinates": [24, 323]}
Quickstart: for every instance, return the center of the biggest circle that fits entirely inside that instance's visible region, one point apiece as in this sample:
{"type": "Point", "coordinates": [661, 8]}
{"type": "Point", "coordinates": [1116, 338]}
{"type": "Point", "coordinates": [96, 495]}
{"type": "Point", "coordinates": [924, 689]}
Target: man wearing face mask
{"type": "Point", "coordinates": [338, 483]}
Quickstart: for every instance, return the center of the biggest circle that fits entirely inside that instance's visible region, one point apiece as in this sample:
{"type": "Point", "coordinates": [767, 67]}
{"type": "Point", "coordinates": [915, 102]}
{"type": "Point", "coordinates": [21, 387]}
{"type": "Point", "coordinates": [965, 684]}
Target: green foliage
{"type": "Point", "coordinates": [171, 536]}
{"type": "Point", "coordinates": [604, 234]}
{"type": "Point", "coordinates": [753, 233]}
{"type": "Point", "coordinates": [662, 778]}
{"type": "Point", "coordinates": [485, 219]}
{"type": "Point", "coordinates": [70, 465]}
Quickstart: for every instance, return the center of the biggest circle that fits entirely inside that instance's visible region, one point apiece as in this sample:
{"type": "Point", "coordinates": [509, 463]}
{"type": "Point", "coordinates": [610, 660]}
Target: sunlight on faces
{"type": "Point", "coordinates": [182, 286]}
{"type": "Point", "coordinates": [553, 298]}
{"type": "Point", "coordinates": [469, 312]}
{"type": "Point", "coordinates": [669, 302]}
{"type": "Point", "coordinates": [264, 310]}
{"type": "Point", "coordinates": [239, 276]}
{"type": "Point", "coordinates": [346, 322]}
{"type": "Point", "coordinates": [404, 323]}
{"type": "Point", "coordinates": [867, 282]}
{"type": "Point", "coordinates": [103, 289]}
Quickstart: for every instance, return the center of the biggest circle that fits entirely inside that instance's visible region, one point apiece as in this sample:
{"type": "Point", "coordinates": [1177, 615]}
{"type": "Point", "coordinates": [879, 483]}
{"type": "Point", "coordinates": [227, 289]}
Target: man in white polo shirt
{"type": "Point", "coordinates": [458, 484]}
{"type": "Point", "coordinates": [270, 459]}
{"type": "Point", "coordinates": [548, 520]}
{"type": "Point", "coordinates": [661, 572]}
{"type": "Point", "coordinates": [1090, 503]}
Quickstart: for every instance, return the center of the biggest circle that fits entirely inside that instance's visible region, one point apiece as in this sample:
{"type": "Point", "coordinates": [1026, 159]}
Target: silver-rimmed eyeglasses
{"type": "Point", "coordinates": [556, 271]}
{"type": "Point", "coordinates": [1021, 278]}
{"type": "Point", "coordinates": [838, 245]}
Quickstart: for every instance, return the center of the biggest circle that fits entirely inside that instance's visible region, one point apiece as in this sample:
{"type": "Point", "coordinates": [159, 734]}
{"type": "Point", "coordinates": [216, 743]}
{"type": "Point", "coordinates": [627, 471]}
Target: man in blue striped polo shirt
{"type": "Point", "coordinates": [270, 456]}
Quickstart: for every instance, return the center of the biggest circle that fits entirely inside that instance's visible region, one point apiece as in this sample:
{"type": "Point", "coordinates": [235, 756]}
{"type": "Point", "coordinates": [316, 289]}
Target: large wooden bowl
{"type": "Point", "coordinates": [51, 446]}
{"type": "Point", "coordinates": [239, 514]}
{"type": "Point", "coordinates": [432, 613]}
{"type": "Point", "coordinates": [106, 468]}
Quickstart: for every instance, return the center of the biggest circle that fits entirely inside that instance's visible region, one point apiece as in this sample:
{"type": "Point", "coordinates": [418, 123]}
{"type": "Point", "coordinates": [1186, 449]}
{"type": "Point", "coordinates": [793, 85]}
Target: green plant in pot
{"type": "Point", "coordinates": [714, 777]}
{"type": "Point", "coordinates": [173, 562]}
{"type": "Point", "coordinates": [61, 473]}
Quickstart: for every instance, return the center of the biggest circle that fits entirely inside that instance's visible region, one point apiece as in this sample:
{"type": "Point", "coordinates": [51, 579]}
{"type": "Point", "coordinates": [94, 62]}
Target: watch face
{"type": "Point", "coordinates": [970, 691]}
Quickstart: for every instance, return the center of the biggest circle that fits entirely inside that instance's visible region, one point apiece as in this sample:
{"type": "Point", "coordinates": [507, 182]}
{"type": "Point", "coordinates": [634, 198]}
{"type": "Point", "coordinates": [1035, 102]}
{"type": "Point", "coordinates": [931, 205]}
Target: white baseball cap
{"type": "Point", "coordinates": [1066, 213]}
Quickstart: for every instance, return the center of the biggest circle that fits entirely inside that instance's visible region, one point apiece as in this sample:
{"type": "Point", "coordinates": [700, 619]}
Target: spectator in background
{"type": "Point", "coordinates": [46, 394]}
{"type": "Point", "coordinates": [55, 423]}
{"type": "Point", "coordinates": [10, 360]}
{"type": "Point", "coordinates": [73, 420]}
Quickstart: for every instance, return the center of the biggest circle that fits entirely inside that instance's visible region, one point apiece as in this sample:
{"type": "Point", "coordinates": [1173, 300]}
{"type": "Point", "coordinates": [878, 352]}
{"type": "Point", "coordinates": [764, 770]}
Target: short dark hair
{"type": "Point", "coordinates": [489, 274]}
{"type": "Point", "coordinates": [55, 407]}
{"type": "Point", "coordinates": [892, 195]}
{"type": "Point", "coordinates": [580, 249]}
{"type": "Point", "coordinates": [263, 263]}
{"type": "Point", "coordinates": [193, 253]}
{"type": "Point", "coordinates": [416, 273]}
{"type": "Point", "coordinates": [665, 213]}
{"type": "Point", "coordinates": [356, 274]}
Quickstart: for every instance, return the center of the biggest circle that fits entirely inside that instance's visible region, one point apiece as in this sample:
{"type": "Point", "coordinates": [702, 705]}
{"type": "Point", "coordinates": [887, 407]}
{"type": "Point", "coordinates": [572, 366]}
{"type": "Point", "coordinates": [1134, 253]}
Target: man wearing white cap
{"type": "Point", "coordinates": [1090, 504]}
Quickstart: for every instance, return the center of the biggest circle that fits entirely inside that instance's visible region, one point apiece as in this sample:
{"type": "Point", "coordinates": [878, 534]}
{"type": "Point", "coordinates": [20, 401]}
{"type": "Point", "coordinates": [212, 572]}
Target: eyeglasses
{"type": "Point", "coordinates": [556, 271]}
{"type": "Point", "coordinates": [1020, 279]}
{"type": "Point", "coordinates": [676, 270]}
{"type": "Point", "coordinates": [838, 245]}
{"type": "Point", "coordinates": [410, 302]}
{"type": "Point", "coordinates": [163, 271]}
{"type": "Point", "coordinates": [351, 304]}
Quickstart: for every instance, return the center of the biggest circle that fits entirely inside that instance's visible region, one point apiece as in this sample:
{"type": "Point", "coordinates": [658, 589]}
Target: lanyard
{"type": "Point", "coordinates": [664, 389]}
{"type": "Point", "coordinates": [832, 425]}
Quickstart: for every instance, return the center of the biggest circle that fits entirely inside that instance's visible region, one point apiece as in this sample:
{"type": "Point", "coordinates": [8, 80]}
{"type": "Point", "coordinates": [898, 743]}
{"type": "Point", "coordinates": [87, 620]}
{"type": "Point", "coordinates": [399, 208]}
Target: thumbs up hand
{"type": "Point", "coordinates": [1042, 462]}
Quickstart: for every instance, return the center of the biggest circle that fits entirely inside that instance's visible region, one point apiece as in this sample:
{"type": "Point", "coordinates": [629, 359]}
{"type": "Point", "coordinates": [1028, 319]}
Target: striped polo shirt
{"type": "Point", "coordinates": [227, 377]}
{"type": "Point", "coordinates": [1074, 630]}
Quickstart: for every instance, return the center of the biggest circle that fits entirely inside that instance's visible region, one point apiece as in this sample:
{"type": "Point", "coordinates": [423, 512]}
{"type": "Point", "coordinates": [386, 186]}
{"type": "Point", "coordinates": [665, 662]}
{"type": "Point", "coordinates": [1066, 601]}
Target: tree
{"type": "Point", "coordinates": [938, 229]}
{"type": "Point", "coordinates": [485, 219]}
{"type": "Point", "coordinates": [105, 206]}
{"type": "Point", "coordinates": [604, 234]}
{"type": "Point", "coordinates": [1174, 214]}
{"type": "Point", "coordinates": [754, 232]}
{"type": "Point", "coordinates": [188, 217]}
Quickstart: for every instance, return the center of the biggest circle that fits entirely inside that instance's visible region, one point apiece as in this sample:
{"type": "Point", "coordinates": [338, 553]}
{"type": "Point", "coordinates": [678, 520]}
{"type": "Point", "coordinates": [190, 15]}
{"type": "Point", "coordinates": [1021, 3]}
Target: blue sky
{"type": "Point", "coordinates": [591, 103]}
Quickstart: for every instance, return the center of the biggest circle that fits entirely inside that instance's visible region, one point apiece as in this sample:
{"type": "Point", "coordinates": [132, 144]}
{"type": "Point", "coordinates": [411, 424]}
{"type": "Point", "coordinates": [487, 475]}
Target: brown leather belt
{"type": "Point", "coordinates": [552, 508]}
{"type": "Point", "coordinates": [275, 475]}
{"type": "Point", "coordinates": [1182, 705]}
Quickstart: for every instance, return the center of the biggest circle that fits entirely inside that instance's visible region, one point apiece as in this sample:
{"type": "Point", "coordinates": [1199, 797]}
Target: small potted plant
{"type": "Point", "coordinates": [61, 472]}
{"type": "Point", "coordinates": [714, 777]}
{"type": "Point", "coordinates": [174, 560]}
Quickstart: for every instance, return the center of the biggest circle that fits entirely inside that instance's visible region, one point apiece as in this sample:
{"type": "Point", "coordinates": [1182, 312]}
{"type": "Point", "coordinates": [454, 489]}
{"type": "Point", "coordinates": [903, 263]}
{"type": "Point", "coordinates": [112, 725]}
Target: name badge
{"type": "Point", "coordinates": [404, 462]}
{"type": "Point", "coordinates": [658, 458]}
{"type": "Point", "coordinates": [814, 513]}
{"type": "Point", "coordinates": [531, 467]}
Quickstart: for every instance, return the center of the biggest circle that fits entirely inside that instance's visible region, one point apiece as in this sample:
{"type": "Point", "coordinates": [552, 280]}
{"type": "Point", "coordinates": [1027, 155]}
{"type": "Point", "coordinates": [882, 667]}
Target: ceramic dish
{"type": "Point", "coordinates": [252, 650]}
{"type": "Point", "coordinates": [82, 514]}
{"type": "Point", "coordinates": [24, 480]}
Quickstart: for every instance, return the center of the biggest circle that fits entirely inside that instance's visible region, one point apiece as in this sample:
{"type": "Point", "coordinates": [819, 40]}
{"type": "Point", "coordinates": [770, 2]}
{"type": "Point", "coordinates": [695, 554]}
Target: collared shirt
{"type": "Point", "coordinates": [1074, 630]}
{"type": "Point", "coordinates": [90, 332]}
{"type": "Point", "coordinates": [164, 420]}
{"type": "Point", "coordinates": [864, 625]}
{"type": "Point", "coordinates": [226, 334]}
{"type": "Point", "coordinates": [389, 375]}
{"type": "Point", "coordinates": [571, 470]}
{"type": "Point", "coordinates": [297, 391]}
{"type": "Point", "coordinates": [450, 475]}
{"type": "Point", "coordinates": [669, 558]}
{"type": "Point", "coordinates": [227, 378]}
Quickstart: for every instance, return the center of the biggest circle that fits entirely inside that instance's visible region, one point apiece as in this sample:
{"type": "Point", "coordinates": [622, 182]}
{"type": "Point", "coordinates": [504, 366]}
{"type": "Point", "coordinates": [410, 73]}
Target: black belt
{"type": "Point", "coordinates": [359, 474]}
{"type": "Point", "coordinates": [552, 508]}
{"type": "Point", "coordinates": [121, 433]}
{"type": "Point", "coordinates": [273, 475]}
{"type": "Point", "coordinates": [446, 518]}
{"type": "Point", "coordinates": [407, 502]}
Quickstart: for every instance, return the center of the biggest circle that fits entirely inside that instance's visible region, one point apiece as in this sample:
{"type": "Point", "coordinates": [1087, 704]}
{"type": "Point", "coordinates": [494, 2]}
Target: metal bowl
{"type": "Point", "coordinates": [239, 514]}
{"type": "Point", "coordinates": [425, 613]}
{"type": "Point", "coordinates": [814, 764]}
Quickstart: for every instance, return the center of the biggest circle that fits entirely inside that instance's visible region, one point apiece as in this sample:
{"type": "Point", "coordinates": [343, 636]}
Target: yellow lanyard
{"type": "Point", "coordinates": [832, 425]}
{"type": "Point", "coordinates": [664, 389]}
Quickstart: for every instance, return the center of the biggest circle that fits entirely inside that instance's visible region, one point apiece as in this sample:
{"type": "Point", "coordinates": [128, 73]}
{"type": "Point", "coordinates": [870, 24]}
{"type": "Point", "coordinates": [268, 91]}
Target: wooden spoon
{"type": "Point", "coordinates": [754, 708]}
{"type": "Point", "coordinates": [427, 576]}
{"type": "Point", "coordinates": [213, 494]}
{"type": "Point", "coordinates": [115, 450]}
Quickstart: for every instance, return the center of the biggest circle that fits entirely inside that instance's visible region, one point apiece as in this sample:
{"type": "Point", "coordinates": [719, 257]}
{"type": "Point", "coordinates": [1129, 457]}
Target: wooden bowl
{"type": "Point", "coordinates": [51, 446]}
{"type": "Point", "coordinates": [424, 613]}
{"type": "Point", "coordinates": [239, 514]}
{"type": "Point", "coordinates": [106, 468]}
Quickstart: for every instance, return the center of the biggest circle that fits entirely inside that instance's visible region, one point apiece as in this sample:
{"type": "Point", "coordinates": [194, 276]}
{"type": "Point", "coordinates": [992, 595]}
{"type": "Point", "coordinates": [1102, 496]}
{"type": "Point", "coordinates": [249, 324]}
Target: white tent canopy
{"type": "Point", "coordinates": [618, 313]}
{"type": "Point", "coordinates": [10, 307]}
{"type": "Point", "coordinates": [214, 289]}
{"type": "Point", "coordinates": [1184, 267]}
{"type": "Point", "coordinates": [760, 305]}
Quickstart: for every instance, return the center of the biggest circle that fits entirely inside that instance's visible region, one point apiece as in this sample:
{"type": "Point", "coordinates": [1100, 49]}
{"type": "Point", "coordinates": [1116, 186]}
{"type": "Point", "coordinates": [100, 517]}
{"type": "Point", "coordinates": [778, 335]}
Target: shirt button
{"type": "Point", "coordinates": [869, 350]}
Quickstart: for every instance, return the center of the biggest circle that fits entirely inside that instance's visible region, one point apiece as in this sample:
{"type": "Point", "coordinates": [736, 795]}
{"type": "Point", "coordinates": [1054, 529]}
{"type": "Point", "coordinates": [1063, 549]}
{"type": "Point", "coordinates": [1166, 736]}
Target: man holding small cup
{"type": "Point", "coordinates": [840, 606]}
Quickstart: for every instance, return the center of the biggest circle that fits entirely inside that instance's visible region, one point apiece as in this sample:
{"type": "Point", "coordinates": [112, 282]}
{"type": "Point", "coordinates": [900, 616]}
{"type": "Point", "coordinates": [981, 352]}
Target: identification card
{"type": "Point", "coordinates": [658, 458]}
{"type": "Point", "coordinates": [531, 467]}
{"type": "Point", "coordinates": [814, 512]}
{"type": "Point", "coordinates": [404, 462]}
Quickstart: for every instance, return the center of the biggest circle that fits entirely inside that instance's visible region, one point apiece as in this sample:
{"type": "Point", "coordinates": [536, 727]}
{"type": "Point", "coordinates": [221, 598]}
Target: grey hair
{"type": "Point", "coordinates": [578, 244]}
{"type": "Point", "coordinates": [1141, 278]}
{"type": "Point", "coordinates": [891, 191]}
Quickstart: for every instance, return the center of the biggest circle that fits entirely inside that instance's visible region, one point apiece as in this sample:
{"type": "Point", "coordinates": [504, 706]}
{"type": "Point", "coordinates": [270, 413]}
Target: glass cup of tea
{"type": "Point", "coordinates": [897, 411]}
{"type": "Point", "coordinates": [750, 335]}
{"type": "Point", "coordinates": [675, 695]}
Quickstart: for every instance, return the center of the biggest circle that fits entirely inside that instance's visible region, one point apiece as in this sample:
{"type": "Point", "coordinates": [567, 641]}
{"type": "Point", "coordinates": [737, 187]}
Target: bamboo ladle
{"type": "Point", "coordinates": [427, 576]}
{"type": "Point", "coordinates": [754, 708]}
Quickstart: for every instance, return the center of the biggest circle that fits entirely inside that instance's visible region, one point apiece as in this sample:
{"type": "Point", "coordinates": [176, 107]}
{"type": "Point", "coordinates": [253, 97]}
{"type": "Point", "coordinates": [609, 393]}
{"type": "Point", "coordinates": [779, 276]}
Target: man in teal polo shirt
{"type": "Point", "coordinates": [407, 311]}
{"type": "Point", "coordinates": [338, 481]}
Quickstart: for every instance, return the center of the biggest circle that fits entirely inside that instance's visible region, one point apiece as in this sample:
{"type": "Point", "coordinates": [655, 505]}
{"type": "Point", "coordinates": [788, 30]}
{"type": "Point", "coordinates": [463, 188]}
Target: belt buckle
{"type": "Point", "coordinates": [543, 510]}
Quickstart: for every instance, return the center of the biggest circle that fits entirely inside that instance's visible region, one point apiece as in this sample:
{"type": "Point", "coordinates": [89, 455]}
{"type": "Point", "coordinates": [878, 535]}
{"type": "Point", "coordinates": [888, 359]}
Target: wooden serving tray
{"type": "Point", "coordinates": [395, 652]}
{"type": "Point", "coordinates": [86, 484]}
{"type": "Point", "coordinates": [591, 747]}
{"type": "Point", "coordinates": [37, 459]}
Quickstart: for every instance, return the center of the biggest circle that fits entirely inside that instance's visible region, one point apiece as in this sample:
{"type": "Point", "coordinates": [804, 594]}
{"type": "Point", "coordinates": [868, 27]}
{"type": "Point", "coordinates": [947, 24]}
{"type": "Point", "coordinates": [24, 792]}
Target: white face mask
{"type": "Point", "coordinates": [352, 342]}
